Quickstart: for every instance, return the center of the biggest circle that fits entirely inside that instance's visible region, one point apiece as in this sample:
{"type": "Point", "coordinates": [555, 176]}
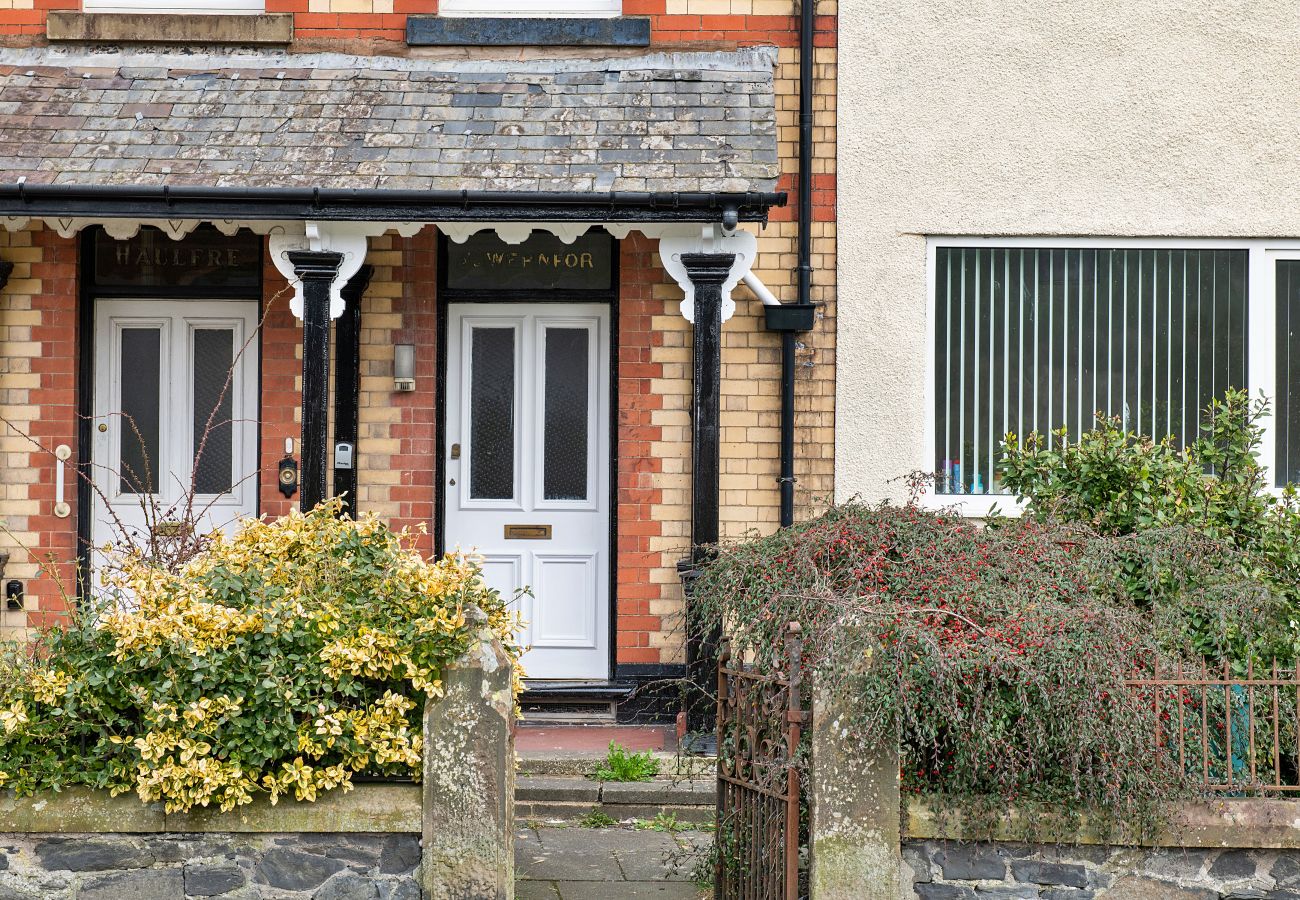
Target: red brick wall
{"type": "Point", "coordinates": [395, 455]}
{"type": "Point", "coordinates": [384, 21]}
{"type": "Point", "coordinates": [398, 429]}
{"type": "Point", "coordinates": [395, 451]}
{"type": "Point", "coordinates": [56, 422]}
{"type": "Point", "coordinates": [281, 370]}
{"type": "Point", "coordinates": [639, 468]}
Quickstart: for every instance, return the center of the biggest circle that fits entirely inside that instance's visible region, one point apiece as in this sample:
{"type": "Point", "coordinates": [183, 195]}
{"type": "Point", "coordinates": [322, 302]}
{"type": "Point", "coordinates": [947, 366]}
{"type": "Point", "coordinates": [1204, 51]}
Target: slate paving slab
{"type": "Point", "coordinates": [575, 863]}
{"type": "Point", "coordinates": [536, 890]}
{"type": "Point", "coordinates": [632, 890]}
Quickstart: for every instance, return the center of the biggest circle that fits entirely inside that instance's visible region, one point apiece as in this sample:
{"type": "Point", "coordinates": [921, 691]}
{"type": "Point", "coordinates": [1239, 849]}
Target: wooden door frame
{"type": "Point", "coordinates": [446, 297]}
{"type": "Point", "coordinates": [87, 293]}
{"type": "Point", "coordinates": [179, 320]}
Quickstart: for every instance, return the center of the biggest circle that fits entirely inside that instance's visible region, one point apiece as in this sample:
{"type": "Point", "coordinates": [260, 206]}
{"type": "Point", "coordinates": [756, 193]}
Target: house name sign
{"type": "Point", "coordinates": [205, 258]}
{"type": "Point", "coordinates": [541, 263]}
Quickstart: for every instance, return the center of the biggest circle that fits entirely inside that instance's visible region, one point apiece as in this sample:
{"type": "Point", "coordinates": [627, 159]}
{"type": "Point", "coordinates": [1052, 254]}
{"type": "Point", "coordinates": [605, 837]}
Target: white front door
{"type": "Point", "coordinates": [175, 406]}
{"type": "Point", "coordinates": [528, 470]}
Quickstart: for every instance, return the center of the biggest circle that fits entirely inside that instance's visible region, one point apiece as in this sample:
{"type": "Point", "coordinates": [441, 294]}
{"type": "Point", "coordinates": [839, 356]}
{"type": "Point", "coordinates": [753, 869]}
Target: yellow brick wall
{"type": "Point", "coordinates": [17, 384]}
{"type": "Point", "coordinates": [37, 413]}
{"type": "Point", "coordinates": [752, 366]}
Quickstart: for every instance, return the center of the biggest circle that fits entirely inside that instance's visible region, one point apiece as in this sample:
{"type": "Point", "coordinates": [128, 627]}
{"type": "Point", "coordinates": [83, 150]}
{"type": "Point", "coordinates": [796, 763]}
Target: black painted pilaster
{"type": "Point", "coordinates": [707, 272]}
{"type": "Point", "coordinates": [6, 269]}
{"type": "Point", "coordinates": [316, 269]}
{"type": "Point", "coordinates": [347, 381]}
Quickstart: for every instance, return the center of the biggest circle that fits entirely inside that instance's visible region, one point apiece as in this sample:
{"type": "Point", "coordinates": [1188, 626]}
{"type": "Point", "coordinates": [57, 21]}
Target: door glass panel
{"type": "Point", "coordinates": [140, 380]}
{"type": "Point", "coordinates": [492, 414]}
{"type": "Point", "coordinates": [214, 355]}
{"type": "Point", "coordinates": [565, 428]}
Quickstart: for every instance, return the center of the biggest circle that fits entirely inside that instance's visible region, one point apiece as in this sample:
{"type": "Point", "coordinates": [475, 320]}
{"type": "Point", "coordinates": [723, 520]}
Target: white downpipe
{"type": "Point", "coordinates": [760, 290]}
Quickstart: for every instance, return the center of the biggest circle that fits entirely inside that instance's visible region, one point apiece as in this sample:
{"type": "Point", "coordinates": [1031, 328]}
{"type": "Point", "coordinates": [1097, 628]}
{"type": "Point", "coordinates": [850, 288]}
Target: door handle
{"type": "Point", "coordinates": [455, 451]}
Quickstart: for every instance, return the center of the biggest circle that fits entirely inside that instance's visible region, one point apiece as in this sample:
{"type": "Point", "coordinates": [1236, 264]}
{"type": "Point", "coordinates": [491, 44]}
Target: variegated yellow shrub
{"type": "Point", "coordinates": [282, 660]}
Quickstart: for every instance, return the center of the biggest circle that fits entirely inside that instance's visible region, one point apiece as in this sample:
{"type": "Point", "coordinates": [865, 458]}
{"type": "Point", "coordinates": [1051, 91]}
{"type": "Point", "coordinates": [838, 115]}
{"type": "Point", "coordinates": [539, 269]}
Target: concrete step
{"type": "Point", "coordinates": [585, 764]}
{"type": "Point", "coordinates": [568, 797]}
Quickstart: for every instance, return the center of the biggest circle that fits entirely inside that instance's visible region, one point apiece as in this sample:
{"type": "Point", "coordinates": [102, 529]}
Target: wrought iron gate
{"type": "Point", "coordinates": [760, 724]}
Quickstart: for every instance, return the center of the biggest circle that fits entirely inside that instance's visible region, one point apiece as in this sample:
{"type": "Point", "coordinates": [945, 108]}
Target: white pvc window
{"type": "Point", "coordinates": [1036, 334]}
{"type": "Point", "coordinates": [190, 7]}
{"type": "Point", "coordinates": [531, 8]}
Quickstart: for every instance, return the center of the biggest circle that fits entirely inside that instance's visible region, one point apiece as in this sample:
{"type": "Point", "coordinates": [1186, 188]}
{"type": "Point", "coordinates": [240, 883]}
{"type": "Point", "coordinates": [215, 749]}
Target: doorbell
{"type": "Point", "coordinates": [288, 470]}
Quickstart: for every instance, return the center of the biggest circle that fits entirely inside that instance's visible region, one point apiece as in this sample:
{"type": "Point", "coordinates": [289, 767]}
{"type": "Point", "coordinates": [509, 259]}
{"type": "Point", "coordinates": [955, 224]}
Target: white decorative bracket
{"type": "Point", "coordinates": [514, 232]}
{"type": "Point", "coordinates": [709, 239]}
{"type": "Point", "coordinates": [348, 238]}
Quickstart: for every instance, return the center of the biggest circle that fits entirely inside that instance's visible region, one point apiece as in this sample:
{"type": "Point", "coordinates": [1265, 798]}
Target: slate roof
{"type": "Point", "coordinates": [658, 122]}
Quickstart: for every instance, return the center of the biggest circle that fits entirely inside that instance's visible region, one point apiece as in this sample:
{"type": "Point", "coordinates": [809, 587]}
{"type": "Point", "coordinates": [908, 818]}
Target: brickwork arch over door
{"type": "Point", "coordinates": [527, 468]}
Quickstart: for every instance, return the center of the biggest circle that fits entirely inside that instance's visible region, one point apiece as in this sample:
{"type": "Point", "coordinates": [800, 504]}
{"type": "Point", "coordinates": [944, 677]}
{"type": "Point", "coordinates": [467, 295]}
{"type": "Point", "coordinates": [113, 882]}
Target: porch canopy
{"type": "Point", "coordinates": [322, 151]}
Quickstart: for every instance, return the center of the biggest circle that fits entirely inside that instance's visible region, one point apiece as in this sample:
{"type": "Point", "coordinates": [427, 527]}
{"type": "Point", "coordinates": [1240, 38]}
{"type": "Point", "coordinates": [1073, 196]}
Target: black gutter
{"type": "Point", "coordinates": [795, 317]}
{"type": "Point", "coordinates": [197, 202]}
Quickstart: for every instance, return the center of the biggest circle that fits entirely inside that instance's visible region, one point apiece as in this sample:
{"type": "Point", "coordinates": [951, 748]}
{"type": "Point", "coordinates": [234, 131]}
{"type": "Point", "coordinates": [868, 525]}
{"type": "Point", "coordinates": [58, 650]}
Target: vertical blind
{"type": "Point", "coordinates": [1036, 339]}
{"type": "Point", "coordinates": [1286, 407]}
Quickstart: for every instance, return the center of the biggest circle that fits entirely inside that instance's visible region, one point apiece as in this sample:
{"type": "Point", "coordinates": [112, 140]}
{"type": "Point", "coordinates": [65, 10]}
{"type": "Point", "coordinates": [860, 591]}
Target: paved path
{"type": "Point", "coordinates": [575, 863]}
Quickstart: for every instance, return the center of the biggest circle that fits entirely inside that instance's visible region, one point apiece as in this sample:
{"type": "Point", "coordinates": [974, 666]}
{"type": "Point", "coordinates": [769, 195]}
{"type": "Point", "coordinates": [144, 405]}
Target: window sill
{"type": "Point", "coordinates": [170, 28]}
{"type": "Point", "coordinates": [502, 31]}
{"type": "Point", "coordinates": [973, 506]}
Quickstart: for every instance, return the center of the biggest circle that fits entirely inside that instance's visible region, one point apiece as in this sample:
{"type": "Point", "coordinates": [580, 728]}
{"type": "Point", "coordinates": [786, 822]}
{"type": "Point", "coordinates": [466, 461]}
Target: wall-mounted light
{"type": "Point", "coordinates": [403, 367]}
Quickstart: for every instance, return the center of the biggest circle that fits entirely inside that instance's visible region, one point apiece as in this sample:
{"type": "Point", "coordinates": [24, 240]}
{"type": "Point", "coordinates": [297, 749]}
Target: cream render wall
{"type": "Point", "coordinates": [1037, 118]}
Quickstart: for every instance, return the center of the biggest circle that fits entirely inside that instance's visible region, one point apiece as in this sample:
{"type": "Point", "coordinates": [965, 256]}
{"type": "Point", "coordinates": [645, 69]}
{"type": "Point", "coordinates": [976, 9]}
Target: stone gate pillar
{"type": "Point", "coordinates": [469, 778]}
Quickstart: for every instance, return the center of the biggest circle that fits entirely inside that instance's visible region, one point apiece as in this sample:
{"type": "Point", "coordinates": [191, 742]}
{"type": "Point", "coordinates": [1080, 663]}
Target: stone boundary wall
{"type": "Point", "coordinates": [225, 865]}
{"type": "Point", "coordinates": [947, 870]}
{"type": "Point", "coordinates": [1228, 849]}
{"type": "Point", "coordinates": [867, 842]}
{"type": "Point", "coordinates": [1222, 849]}
{"type": "Point", "coordinates": [452, 836]}
{"type": "Point", "coordinates": [86, 845]}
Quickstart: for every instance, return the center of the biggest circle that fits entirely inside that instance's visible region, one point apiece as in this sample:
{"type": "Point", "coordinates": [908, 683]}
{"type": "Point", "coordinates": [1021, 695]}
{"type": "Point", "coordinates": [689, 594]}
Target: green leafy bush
{"type": "Point", "coordinates": [998, 656]}
{"type": "Point", "coordinates": [622, 765]}
{"type": "Point", "coordinates": [283, 660]}
{"type": "Point", "coordinates": [1119, 483]}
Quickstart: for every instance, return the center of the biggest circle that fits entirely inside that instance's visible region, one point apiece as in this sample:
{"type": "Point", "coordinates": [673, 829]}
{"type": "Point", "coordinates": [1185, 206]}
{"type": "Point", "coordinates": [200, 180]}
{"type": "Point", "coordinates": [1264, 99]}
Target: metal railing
{"type": "Point", "coordinates": [1231, 734]}
{"type": "Point", "coordinates": [760, 722]}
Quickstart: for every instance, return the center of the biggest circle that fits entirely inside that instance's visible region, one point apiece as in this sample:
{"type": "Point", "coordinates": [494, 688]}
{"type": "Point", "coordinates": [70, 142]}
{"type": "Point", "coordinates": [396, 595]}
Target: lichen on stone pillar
{"type": "Point", "coordinates": [469, 777]}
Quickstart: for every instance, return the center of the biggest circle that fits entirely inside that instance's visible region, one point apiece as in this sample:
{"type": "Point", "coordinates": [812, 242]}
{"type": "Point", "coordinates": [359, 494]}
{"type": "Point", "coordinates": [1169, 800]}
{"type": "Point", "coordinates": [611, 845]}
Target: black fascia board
{"type": "Point", "coordinates": [379, 205]}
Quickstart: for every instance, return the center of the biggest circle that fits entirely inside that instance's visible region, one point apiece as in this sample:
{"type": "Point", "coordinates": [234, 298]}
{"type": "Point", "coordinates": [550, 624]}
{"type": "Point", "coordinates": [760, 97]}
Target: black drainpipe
{"type": "Point", "coordinates": [791, 318]}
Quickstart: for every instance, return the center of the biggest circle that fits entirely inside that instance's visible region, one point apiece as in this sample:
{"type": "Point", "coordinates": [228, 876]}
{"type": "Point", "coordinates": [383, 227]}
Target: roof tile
{"type": "Point", "coordinates": [671, 122]}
